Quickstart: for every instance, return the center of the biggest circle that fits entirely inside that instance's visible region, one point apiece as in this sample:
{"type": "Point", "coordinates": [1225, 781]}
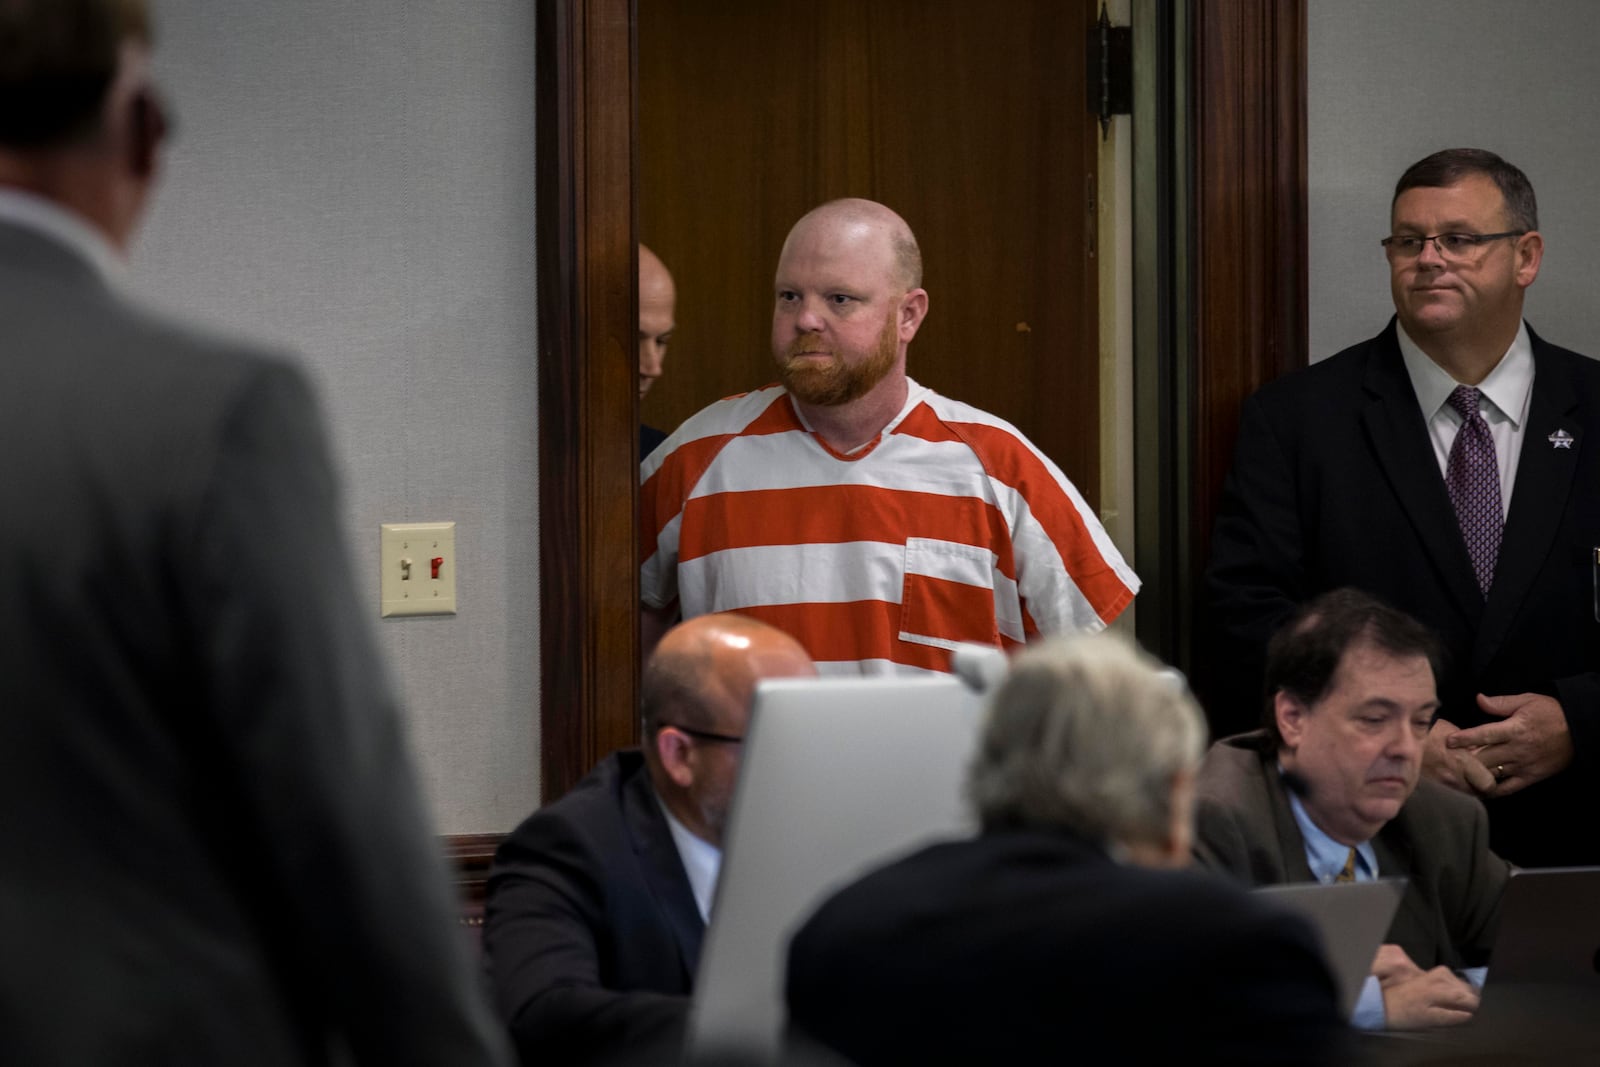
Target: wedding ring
{"type": "Point", "coordinates": [1500, 772]}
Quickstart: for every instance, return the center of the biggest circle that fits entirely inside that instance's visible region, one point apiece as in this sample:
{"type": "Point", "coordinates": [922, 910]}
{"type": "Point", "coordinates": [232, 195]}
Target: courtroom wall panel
{"type": "Point", "coordinates": [1393, 80]}
{"type": "Point", "coordinates": [356, 181]}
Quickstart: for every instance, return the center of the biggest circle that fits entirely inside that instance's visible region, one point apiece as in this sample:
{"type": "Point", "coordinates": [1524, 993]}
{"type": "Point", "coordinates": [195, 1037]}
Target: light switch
{"type": "Point", "coordinates": [418, 565]}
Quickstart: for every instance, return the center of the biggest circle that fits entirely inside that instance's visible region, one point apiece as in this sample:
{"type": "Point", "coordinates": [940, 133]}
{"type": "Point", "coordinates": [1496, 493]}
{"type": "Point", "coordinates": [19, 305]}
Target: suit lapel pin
{"type": "Point", "coordinates": [1560, 439]}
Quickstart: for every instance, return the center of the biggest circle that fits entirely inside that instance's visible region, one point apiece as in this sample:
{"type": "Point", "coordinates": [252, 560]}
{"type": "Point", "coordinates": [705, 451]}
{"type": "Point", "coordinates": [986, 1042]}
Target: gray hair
{"type": "Point", "coordinates": [1086, 734]}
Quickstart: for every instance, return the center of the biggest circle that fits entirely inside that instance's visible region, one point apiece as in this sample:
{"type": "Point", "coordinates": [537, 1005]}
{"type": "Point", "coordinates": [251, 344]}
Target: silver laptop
{"type": "Point", "coordinates": [838, 776]}
{"type": "Point", "coordinates": [1352, 920]}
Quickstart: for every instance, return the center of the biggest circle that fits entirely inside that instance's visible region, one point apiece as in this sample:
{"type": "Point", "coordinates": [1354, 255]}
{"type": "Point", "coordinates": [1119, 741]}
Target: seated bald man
{"type": "Point", "coordinates": [875, 520]}
{"type": "Point", "coordinates": [597, 903]}
{"type": "Point", "coordinates": [1330, 791]}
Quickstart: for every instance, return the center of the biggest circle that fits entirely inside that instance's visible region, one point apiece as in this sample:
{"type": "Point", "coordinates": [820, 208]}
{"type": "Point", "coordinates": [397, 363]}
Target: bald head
{"type": "Point", "coordinates": [846, 304]}
{"type": "Point", "coordinates": [698, 686]}
{"type": "Point", "coordinates": [705, 670]}
{"type": "Point", "coordinates": [864, 226]}
{"type": "Point", "coordinates": [658, 299]}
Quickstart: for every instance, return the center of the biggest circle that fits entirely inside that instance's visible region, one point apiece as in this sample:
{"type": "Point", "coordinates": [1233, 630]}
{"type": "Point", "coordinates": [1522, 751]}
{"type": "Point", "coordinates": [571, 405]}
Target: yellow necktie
{"type": "Point", "coordinates": [1349, 872]}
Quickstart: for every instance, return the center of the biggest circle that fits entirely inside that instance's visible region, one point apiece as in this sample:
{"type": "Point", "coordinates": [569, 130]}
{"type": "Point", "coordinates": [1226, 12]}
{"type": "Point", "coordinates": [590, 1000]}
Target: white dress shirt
{"type": "Point", "coordinates": [1506, 392]}
{"type": "Point", "coordinates": [62, 226]}
{"type": "Point", "coordinates": [1326, 857]}
{"type": "Point", "coordinates": [701, 862]}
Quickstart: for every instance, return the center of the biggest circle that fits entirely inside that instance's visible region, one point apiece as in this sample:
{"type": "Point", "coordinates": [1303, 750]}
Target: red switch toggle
{"type": "Point", "coordinates": [438, 561]}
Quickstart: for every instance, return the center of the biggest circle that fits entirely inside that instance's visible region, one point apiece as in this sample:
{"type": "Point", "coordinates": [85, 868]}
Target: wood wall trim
{"type": "Point", "coordinates": [588, 401]}
{"type": "Point", "coordinates": [1249, 277]}
{"type": "Point", "coordinates": [470, 856]}
{"type": "Point", "coordinates": [1250, 218]}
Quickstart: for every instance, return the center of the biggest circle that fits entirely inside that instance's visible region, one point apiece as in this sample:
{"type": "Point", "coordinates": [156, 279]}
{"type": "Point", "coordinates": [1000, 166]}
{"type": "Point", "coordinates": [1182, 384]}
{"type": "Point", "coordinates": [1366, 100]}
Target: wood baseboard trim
{"type": "Point", "coordinates": [469, 856]}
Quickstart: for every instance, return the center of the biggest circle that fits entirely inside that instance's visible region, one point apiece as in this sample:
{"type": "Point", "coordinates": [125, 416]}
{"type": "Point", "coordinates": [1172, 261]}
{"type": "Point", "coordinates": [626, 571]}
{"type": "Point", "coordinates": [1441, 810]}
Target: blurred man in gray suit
{"type": "Point", "coordinates": [213, 844]}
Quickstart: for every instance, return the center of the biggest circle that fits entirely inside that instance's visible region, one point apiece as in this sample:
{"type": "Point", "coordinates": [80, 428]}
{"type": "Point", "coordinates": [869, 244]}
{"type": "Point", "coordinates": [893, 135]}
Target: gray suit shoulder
{"type": "Point", "coordinates": [194, 348]}
{"type": "Point", "coordinates": [1230, 763]}
{"type": "Point", "coordinates": [130, 377]}
{"type": "Point", "coordinates": [1434, 805]}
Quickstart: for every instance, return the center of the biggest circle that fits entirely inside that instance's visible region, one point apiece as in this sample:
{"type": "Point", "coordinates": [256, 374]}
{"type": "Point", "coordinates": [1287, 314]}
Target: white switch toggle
{"type": "Point", "coordinates": [405, 588]}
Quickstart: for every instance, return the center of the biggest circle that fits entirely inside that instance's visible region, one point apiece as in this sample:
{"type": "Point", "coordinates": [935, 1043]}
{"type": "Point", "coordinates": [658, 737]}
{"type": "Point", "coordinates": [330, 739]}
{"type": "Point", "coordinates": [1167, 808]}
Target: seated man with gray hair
{"type": "Point", "coordinates": [1061, 929]}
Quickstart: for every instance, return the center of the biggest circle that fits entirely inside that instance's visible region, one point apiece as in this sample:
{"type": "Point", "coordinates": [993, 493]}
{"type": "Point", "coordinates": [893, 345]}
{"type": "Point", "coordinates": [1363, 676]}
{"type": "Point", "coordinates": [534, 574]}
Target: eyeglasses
{"type": "Point", "coordinates": [702, 735]}
{"type": "Point", "coordinates": [1450, 245]}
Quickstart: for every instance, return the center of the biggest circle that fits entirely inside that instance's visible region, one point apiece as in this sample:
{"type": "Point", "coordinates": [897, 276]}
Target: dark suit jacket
{"type": "Point", "coordinates": [1031, 946]}
{"type": "Point", "coordinates": [214, 846]}
{"type": "Point", "coordinates": [1335, 483]}
{"type": "Point", "coordinates": [591, 929]}
{"type": "Point", "coordinates": [1440, 841]}
{"type": "Point", "coordinates": [649, 439]}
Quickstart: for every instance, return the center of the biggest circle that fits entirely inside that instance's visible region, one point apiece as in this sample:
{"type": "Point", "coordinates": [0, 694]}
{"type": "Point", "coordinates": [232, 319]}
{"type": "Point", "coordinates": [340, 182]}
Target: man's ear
{"type": "Point", "coordinates": [913, 309]}
{"type": "Point", "coordinates": [1180, 835]}
{"type": "Point", "coordinates": [1530, 253]}
{"type": "Point", "coordinates": [147, 132]}
{"type": "Point", "coordinates": [1290, 715]}
{"type": "Point", "coordinates": [673, 749]}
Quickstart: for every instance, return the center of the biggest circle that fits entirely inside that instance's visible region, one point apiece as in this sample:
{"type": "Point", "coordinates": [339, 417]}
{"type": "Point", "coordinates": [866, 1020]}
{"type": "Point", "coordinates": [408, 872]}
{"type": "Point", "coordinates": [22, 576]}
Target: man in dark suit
{"type": "Point", "coordinates": [598, 902]}
{"type": "Point", "coordinates": [1330, 791]}
{"type": "Point", "coordinates": [214, 846]}
{"type": "Point", "coordinates": [1055, 935]}
{"type": "Point", "coordinates": [1444, 466]}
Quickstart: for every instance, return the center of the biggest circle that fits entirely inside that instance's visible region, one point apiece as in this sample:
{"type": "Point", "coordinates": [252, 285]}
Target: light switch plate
{"type": "Point", "coordinates": [407, 554]}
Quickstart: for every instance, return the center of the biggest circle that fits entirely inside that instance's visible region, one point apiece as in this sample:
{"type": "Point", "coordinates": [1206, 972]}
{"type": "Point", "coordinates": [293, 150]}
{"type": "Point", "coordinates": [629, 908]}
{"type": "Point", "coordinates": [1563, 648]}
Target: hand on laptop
{"type": "Point", "coordinates": [1414, 999]}
{"type": "Point", "coordinates": [1392, 964]}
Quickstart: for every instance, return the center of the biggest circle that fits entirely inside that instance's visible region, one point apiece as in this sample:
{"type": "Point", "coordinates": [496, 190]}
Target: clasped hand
{"type": "Point", "coordinates": [1529, 744]}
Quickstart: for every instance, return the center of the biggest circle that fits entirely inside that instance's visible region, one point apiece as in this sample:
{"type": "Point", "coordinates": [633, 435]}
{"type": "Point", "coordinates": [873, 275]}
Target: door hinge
{"type": "Point", "coordinates": [1110, 67]}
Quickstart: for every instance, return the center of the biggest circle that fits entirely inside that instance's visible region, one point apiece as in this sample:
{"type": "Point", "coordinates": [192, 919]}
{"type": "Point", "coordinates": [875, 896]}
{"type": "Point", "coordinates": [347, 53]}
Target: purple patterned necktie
{"type": "Point", "coordinates": [1473, 478]}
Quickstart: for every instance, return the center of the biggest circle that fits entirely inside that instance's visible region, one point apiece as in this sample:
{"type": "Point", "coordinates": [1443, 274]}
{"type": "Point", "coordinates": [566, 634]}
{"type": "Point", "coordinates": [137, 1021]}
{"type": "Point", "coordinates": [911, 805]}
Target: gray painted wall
{"type": "Point", "coordinates": [1393, 80]}
{"type": "Point", "coordinates": [356, 180]}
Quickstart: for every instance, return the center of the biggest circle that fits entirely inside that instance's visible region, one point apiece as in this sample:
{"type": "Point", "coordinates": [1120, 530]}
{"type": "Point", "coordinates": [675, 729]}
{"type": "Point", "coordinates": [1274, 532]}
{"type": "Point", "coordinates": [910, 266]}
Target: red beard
{"type": "Point", "coordinates": [836, 381]}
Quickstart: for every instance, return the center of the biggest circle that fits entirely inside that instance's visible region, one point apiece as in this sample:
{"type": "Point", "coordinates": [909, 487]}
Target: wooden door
{"type": "Point", "coordinates": [968, 119]}
{"type": "Point", "coordinates": [1249, 193]}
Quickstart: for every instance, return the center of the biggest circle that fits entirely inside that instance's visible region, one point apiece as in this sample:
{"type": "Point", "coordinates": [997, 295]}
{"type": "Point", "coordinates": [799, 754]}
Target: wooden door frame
{"type": "Point", "coordinates": [1239, 290]}
{"type": "Point", "coordinates": [1220, 272]}
{"type": "Point", "coordinates": [588, 391]}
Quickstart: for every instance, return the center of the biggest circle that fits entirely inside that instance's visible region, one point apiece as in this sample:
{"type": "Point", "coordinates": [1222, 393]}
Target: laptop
{"type": "Point", "coordinates": [838, 776]}
{"type": "Point", "coordinates": [1542, 994]}
{"type": "Point", "coordinates": [1540, 1003]}
{"type": "Point", "coordinates": [1352, 920]}
{"type": "Point", "coordinates": [1549, 929]}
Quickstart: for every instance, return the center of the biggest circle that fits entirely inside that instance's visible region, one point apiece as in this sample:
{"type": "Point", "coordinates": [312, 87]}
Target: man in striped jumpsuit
{"type": "Point", "coordinates": [876, 521]}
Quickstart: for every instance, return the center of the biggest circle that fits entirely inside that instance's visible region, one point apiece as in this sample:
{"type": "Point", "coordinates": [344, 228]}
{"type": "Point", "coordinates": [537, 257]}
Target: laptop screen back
{"type": "Point", "coordinates": [838, 776]}
{"type": "Point", "coordinates": [1352, 920]}
{"type": "Point", "coordinates": [1549, 929]}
